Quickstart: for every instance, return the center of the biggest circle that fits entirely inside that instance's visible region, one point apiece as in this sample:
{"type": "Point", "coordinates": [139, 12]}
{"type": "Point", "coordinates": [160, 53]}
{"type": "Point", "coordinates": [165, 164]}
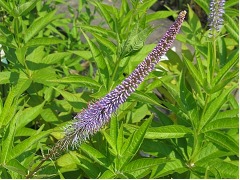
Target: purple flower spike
{"type": "Point", "coordinates": [91, 120]}
{"type": "Point", "coordinates": [215, 18]}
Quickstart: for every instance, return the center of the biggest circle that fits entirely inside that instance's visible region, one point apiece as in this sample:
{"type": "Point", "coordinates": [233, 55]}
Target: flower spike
{"type": "Point", "coordinates": [91, 120]}
{"type": "Point", "coordinates": [215, 18]}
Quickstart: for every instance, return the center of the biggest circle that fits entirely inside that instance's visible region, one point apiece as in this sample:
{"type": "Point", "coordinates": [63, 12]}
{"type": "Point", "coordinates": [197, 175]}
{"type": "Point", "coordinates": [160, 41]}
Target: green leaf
{"type": "Point", "coordinates": [231, 3]}
{"type": "Point", "coordinates": [140, 113]}
{"type": "Point", "coordinates": [99, 60]}
{"type": "Point", "coordinates": [120, 139]}
{"type": "Point", "coordinates": [226, 68]}
{"type": "Point", "coordinates": [143, 163]}
{"type": "Point", "coordinates": [231, 27]}
{"type": "Point", "coordinates": [231, 113]}
{"type": "Point", "coordinates": [38, 25]}
{"type": "Point", "coordinates": [111, 142]}
{"type": "Point", "coordinates": [224, 123]}
{"type": "Point", "coordinates": [107, 12]}
{"type": "Point", "coordinates": [107, 175]}
{"type": "Point", "coordinates": [172, 90]}
{"type": "Point", "coordinates": [86, 55]}
{"type": "Point", "coordinates": [25, 8]}
{"type": "Point", "coordinates": [25, 132]}
{"type": "Point", "coordinates": [8, 41]}
{"type": "Point", "coordinates": [186, 96]}
{"type": "Point", "coordinates": [231, 22]}
{"type": "Point", "coordinates": [214, 107]}
{"type": "Point", "coordinates": [69, 160]}
{"type": "Point", "coordinates": [6, 6]}
{"type": "Point", "coordinates": [175, 166]}
{"type": "Point", "coordinates": [83, 81]}
{"type": "Point", "coordinates": [7, 142]}
{"type": "Point", "coordinates": [222, 51]}
{"type": "Point", "coordinates": [43, 76]}
{"type": "Point", "coordinates": [135, 40]}
{"type": "Point", "coordinates": [227, 170]}
{"type": "Point", "coordinates": [124, 8]}
{"type": "Point", "coordinates": [133, 143]}
{"type": "Point", "coordinates": [26, 144]}
{"type": "Point", "coordinates": [11, 77]}
{"type": "Point", "coordinates": [36, 56]}
{"type": "Point", "coordinates": [55, 57]}
{"type": "Point", "coordinates": [103, 40]}
{"type": "Point", "coordinates": [208, 153]}
{"type": "Point", "coordinates": [159, 15]}
{"type": "Point", "coordinates": [15, 166]}
{"type": "Point", "coordinates": [193, 71]}
{"type": "Point", "coordinates": [194, 21]}
{"type": "Point", "coordinates": [90, 168]}
{"type": "Point", "coordinates": [223, 140]}
{"type": "Point", "coordinates": [42, 41]}
{"type": "Point", "coordinates": [70, 96]}
{"type": "Point", "coordinates": [10, 105]}
{"type": "Point", "coordinates": [94, 154]}
{"type": "Point", "coordinates": [28, 115]}
{"type": "Point", "coordinates": [167, 132]}
{"type": "Point", "coordinates": [20, 53]}
{"type": "Point", "coordinates": [99, 30]}
{"type": "Point", "coordinates": [234, 103]}
{"type": "Point", "coordinates": [222, 84]}
{"type": "Point", "coordinates": [114, 129]}
{"type": "Point", "coordinates": [204, 5]}
{"type": "Point", "coordinates": [145, 98]}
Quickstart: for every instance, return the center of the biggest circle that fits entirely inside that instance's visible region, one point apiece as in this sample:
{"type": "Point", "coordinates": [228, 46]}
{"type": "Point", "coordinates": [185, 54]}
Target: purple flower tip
{"type": "Point", "coordinates": [215, 18]}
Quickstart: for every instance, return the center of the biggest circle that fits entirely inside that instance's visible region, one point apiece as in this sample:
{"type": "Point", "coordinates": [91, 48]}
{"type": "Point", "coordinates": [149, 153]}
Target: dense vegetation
{"type": "Point", "coordinates": [182, 122]}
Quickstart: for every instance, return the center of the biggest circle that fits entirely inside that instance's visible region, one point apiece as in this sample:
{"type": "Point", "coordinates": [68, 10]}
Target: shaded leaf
{"type": "Point", "coordinates": [6, 6]}
{"type": "Point", "coordinates": [226, 68]}
{"type": "Point", "coordinates": [133, 143]}
{"type": "Point", "coordinates": [25, 8]}
{"type": "Point", "coordinates": [159, 15]}
{"type": "Point", "coordinates": [55, 57]}
{"type": "Point", "coordinates": [38, 25]}
{"type": "Point", "coordinates": [94, 154]}
{"type": "Point", "coordinates": [203, 4]}
{"type": "Point", "coordinates": [143, 163]}
{"type": "Point", "coordinates": [175, 166]}
{"type": "Point", "coordinates": [145, 98]}
{"type": "Point", "coordinates": [28, 115]}
{"type": "Point", "coordinates": [107, 175]}
{"type": "Point", "coordinates": [103, 40]}
{"type": "Point", "coordinates": [15, 166]}
{"type": "Point", "coordinates": [214, 106]}
{"type": "Point", "coordinates": [26, 144]}
{"type": "Point", "coordinates": [193, 71]}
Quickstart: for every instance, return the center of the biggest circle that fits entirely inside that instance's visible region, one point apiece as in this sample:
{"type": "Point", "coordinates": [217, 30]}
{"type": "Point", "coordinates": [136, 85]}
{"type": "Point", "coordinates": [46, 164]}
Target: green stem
{"type": "Point", "coordinates": [33, 172]}
{"type": "Point", "coordinates": [214, 61]}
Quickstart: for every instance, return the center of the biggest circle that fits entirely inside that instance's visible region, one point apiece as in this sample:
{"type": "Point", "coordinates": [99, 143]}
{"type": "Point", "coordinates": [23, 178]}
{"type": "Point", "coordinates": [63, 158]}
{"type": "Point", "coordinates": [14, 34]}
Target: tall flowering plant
{"type": "Point", "coordinates": [197, 138]}
{"type": "Point", "coordinates": [91, 120]}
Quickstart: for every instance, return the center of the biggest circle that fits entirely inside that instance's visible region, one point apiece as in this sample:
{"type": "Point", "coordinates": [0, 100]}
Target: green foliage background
{"type": "Point", "coordinates": [55, 65]}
